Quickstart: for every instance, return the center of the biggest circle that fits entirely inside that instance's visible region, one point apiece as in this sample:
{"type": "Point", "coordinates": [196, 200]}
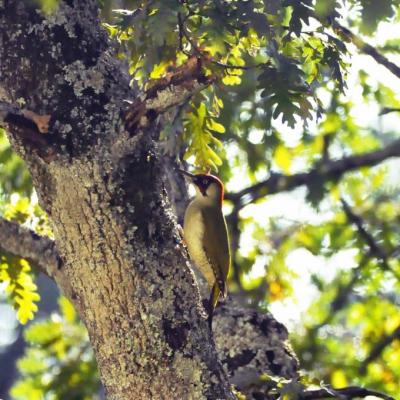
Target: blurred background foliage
{"type": "Point", "coordinates": [302, 125]}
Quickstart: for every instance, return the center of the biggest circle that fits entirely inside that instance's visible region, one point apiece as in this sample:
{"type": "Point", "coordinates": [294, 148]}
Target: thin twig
{"type": "Point", "coordinates": [342, 295]}
{"type": "Point", "coordinates": [377, 350]}
{"type": "Point", "coordinates": [361, 45]}
{"type": "Point", "coordinates": [374, 248]}
{"type": "Point", "coordinates": [356, 219]}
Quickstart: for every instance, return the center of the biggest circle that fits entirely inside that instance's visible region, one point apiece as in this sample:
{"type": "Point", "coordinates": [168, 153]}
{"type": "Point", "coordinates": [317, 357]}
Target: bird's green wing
{"type": "Point", "coordinates": [216, 245]}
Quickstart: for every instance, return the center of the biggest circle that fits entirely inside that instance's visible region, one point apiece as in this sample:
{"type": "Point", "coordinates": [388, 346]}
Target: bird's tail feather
{"type": "Point", "coordinates": [212, 303]}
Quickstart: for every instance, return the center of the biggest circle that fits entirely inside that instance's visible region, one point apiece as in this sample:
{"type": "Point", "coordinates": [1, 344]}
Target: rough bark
{"type": "Point", "coordinates": [249, 344]}
{"type": "Point", "coordinates": [102, 187]}
{"type": "Point", "coordinates": [38, 250]}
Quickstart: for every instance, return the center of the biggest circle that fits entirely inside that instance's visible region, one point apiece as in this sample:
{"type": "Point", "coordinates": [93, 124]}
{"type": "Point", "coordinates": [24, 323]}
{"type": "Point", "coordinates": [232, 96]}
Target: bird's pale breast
{"type": "Point", "coordinates": [193, 231]}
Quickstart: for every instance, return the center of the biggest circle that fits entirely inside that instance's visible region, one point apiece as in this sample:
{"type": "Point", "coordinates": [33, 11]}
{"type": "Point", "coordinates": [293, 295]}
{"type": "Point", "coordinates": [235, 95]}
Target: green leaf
{"type": "Point", "coordinates": [58, 360]}
{"type": "Point", "coordinates": [215, 126]}
{"type": "Point", "coordinates": [301, 13]}
{"type": "Point", "coordinates": [44, 333]}
{"type": "Point", "coordinates": [327, 9]}
{"type": "Point", "coordinates": [372, 12]}
{"type": "Point", "coordinates": [199, 125]}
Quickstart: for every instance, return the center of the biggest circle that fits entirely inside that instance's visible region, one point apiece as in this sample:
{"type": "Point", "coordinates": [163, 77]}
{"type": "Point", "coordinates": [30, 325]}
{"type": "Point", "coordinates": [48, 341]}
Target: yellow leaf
{"type": "Point", "coordinates": [335, 194]}
{"type": "Point", "coordinates": [49, 6]}
{"type": "Point", "coordinates": [283, 158]}
{"type": "Point", "coordinates": [231, 80]}
{"type": "Point", "coordinates": [201, 113]}
{"type": "Point", "coordinates": [26, 311]}
{"type": "Point", "coordinates": [213, 157]}
{"type": "Point", "coordinates": [215, 126]}
{"type": "Point", "coordinates": [217, 102]}
{"type": "Point", "coordinates": [111, 29]}
{"type": "Point", "coordinates": [275, 290]}
{"type": "Point", "coordinates": [304, 238]}
{"type": "Point", "coordinates": [159, 70]}
{"type": "Point", "coordinates": [67, 309]}
{"type": "Point", "coordinates": [338, 379]}
{"type": "Point", "coordinates": [318, 144]}
{"type": "Point", "coordinates": [21, 289]}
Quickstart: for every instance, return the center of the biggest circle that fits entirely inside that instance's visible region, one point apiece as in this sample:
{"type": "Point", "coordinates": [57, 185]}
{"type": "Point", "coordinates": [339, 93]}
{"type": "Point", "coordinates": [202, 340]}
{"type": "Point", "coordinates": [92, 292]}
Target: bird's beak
{"type": "Point", "coordinates": [188, 174]}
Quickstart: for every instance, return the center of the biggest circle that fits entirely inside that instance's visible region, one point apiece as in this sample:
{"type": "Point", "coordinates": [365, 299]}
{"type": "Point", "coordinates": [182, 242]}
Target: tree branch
{"type": "Point", "coordinates": [341, 298]}
{"type": "Point", "coordinates": [31, 127]}
{"type": "Point", "coordinates": [355, 219]}
{"type": "Point", "coordinates": [367, 48]}
{"type": "Point", "coordinates": [38, 250]}
{"type": "Point", "coordinates": [374, 248]}
{"type": "Point", "coordinates": [331, 170]}
{"type": "Point", "coordinates": [250, 344]}
{"type": "Point", "coordinates": [362, 46]}
{"type": "Point", "coordinates": [378, 349]}
{"type": "Point", "coordinates": [345, 393]}
{"type": "Point", "coordinates": [167, 92]}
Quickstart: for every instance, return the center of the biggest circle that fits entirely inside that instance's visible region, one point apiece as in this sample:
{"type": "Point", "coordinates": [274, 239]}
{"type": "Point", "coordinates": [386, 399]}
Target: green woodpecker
{"type": "Point", "coordinates": [206, 235]}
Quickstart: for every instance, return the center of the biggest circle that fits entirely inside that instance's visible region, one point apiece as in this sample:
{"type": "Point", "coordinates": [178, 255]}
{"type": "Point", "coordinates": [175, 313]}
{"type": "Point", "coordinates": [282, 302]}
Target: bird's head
{"type": "Point", "coordinates": [208, 187]}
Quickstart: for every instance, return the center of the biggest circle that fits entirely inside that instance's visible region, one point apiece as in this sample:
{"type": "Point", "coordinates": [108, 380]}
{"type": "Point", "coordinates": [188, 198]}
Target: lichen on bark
{"type": "Point", "coordinates": [116, 235]}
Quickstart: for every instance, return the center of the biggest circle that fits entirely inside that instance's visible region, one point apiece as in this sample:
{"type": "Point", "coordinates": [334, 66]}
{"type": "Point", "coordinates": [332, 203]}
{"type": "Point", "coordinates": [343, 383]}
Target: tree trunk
{"type": "Point", "coordinates": [102, 187]}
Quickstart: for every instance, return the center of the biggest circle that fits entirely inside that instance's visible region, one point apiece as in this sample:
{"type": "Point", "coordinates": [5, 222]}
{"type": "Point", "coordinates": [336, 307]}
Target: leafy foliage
{"type": "Point", "coordinates": [14, 176]}
{"type": "Point", "coordinates": [373, 12]}
{"type": "Point", "coordinates": [200, 128]}
{"type": "Point", "coordinates": [15, 273]}
{"type": "Point", "coordinates": [290, 96]}
{"type": "Point", "coordinates": [19, 286]}
{"type": "Point", "coordinates": [234, 39]}
{"type": "Point", "coordinates": [58, 361]}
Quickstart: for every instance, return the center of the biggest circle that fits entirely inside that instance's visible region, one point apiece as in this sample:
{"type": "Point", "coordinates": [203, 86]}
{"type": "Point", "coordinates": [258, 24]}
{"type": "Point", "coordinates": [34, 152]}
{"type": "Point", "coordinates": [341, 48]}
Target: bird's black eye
{"type": "Point", "coordinates": [205, 181]}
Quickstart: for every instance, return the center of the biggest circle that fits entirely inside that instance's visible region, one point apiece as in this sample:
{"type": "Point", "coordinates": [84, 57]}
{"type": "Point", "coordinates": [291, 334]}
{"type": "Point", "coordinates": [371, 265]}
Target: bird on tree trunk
{"type": "Point", "coordinates": [206, 235]}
